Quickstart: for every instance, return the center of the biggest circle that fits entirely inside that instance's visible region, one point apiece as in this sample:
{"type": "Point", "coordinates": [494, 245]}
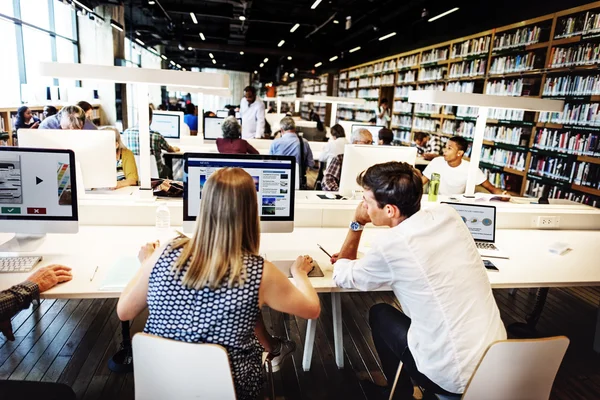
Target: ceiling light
{"type": "Point", "coordinates": [194, 17]}
{"type": "Point", "coordinates": [116, 25]}
{"type": "Point", "coordinates": [294, 28]}
{"type": "Point", "coordinates": [211, 55]}
{"type": "Point", "coordinates": [184, 69]}
{"type": "Point", "coordinates": [281, 42]}
{"type": "Point", "coordinates": [292, 75]}
{"type": "Point", "coordinates": [163, 56]}
{"type": "Point", "coordinates": [242, 17]}
{"type": "Point", "coordinates": [317, 65]}
{"type": "Point", "coordinates": [140, 42]}
{"type": "Point", "coordinates": [255, 72]}
{"type": "Point", "coordinates": [290, 58]}
{"type": "Point", "coordinates": [355, 49]}
{"type": "Point", "coordinates": [333, 58]}
{"type": "Point", "coordinates": [335, 21]}
{"type": "Point", "coordinates": [179, 66]}
{"type": "Point", "coordinates": [83, 6]}
{"type": "Point", "coordinates": [266, 60]}
{"type": "Point", "coordinates": [442, 14]}
{"type": "Point", "coordinates": [241, 53]}
{"type": "Point", "coordinates": [202, 36]}
{"type": "Point", "coordinates": [261, 65]}
{"type": "Point", "coordinates": [214, 61]}
{"type": "Point", "coordinates": [190, 49]}
{"type": "Point", "coordinates": [153, 50]}
{"type": "Point", "coordinates": [172, 62]}
{"type": "Point", "coordinates": [315, 4]}
{"type": "Point", "coordinates": [151, 2]}
{"type": "Point", "coordinates": [389, 35]}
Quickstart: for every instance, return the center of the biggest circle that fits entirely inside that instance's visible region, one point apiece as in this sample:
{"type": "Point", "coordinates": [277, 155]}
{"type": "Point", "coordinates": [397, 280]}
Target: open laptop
{"type": "Point", "coordinates": [481, 221]}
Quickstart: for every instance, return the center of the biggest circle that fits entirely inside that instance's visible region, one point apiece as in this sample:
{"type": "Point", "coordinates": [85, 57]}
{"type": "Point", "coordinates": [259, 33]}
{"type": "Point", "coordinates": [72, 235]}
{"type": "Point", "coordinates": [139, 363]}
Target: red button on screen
{"type": "Point", "coordinates": [36, 210]}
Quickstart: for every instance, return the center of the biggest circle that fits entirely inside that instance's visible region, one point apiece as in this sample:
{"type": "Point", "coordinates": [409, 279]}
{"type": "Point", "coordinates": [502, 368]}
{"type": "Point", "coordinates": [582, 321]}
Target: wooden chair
{"type": "Point", "coordinates": [512, 369]}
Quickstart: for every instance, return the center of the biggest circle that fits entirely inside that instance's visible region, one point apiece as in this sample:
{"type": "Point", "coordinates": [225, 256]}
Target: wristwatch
{"type": "Point", "coordinates": [356, 226]}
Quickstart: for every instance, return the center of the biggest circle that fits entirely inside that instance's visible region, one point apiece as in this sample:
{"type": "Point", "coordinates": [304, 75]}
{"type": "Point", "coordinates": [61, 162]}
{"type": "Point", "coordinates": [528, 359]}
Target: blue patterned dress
{"type": "Point", "coordinates": [224, 316]}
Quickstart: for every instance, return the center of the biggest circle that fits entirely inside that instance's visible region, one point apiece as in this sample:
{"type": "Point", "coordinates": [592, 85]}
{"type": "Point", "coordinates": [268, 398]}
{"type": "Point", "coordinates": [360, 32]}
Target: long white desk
{"type": "Point", "coordinates": [530, 263]}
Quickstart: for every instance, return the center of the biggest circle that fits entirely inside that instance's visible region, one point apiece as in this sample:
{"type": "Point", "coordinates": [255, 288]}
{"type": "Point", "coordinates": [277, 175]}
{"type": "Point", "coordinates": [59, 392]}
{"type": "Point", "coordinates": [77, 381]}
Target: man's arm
{"type": "Point", "coordinates": [260, 121]}
{"type": "Point", "coordinates": [331, 177]}
{"type": "Point", "coordinates": [17, 298]}
{"type": "Point", "coordinates": [310, 162]}
{"type": "Point", "coordinates": [491, 188]}
{"type": "Point", "coordinates": [164, 145]}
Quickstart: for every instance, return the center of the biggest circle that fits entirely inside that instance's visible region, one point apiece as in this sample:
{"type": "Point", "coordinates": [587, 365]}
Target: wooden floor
{"type": "Point", "coordinates": [70, 341]}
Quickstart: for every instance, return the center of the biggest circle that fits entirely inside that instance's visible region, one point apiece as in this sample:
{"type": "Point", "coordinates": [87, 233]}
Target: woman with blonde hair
{"type": "Point", "coordinates": [216, 282]}
{"type": "Point", "coordinates": [127, 173]}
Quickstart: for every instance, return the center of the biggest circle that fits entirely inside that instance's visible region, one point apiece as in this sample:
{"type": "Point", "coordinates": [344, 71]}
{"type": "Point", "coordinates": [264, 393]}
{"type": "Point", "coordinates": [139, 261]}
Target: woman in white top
{"type": "Point", "coordinates": [336, 144]}
{"type": "Point", "coordinates": [384, 114]}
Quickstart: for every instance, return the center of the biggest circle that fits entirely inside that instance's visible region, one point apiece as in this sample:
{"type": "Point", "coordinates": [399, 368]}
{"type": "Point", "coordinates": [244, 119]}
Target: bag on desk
{"type": "Point", "coordinates": [167, 188]}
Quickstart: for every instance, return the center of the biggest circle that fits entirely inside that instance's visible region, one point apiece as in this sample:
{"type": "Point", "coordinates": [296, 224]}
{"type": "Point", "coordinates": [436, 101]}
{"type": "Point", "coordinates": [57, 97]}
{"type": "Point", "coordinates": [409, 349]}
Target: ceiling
{"type": "Point", "coordinates": [321, 34]}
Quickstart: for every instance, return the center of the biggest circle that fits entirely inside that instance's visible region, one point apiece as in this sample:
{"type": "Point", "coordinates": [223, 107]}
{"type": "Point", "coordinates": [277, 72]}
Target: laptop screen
{"type": "Point", "coordinates": [481, 220]}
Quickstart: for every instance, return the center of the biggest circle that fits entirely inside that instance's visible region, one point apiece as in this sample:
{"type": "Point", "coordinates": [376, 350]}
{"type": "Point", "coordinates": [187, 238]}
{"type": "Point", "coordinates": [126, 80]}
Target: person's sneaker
{"type": "Point", "coordinates": [286, 348]}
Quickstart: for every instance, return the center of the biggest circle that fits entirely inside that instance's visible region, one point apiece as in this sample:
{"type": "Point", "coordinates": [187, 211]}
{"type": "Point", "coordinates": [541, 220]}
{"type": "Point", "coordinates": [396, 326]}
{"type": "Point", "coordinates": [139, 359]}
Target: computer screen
{"type": "Point", "coordinates": [273, 176]}
{"type": "Point", "coordinates": [374, 129]}
{"type": "Point", "coordinates": [222, 113]}
{"type": "Point", "coordinates": [212, 127]}
{"type": "Point", "coordinates": [167, 123]}
{"type": "Point", "coordinates": [481, 220]}
{"type": "Point", "coordinates": [36, 185]}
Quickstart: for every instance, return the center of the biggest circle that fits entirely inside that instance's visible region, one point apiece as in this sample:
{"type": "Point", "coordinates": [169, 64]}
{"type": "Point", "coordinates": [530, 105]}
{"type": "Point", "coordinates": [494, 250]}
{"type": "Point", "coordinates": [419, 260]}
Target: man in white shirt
{"type": "Point", "coordinates": [384, 114]}
{"type": "Point", "coordinates": [449, 316]}
{"type": "Point", "coordinates": [252, 111]}
{"type": "Point", "coordinates": [454, 170]}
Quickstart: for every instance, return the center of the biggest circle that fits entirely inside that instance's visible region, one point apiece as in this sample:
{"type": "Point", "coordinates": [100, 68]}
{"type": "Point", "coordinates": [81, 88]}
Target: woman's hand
{"type": "Point", "coordinates": [302, 265]}
{"type": "Point", "coordinates": [147, 250]}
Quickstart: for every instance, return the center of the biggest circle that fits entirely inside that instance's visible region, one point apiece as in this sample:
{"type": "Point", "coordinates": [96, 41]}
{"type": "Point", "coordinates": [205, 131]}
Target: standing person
{"type": "Point", "coordinates": [209, 288]}
{"type": "Point", "coordinates": [231, 142]}
{"type": "Point", "coordinates": [26, 120]}
{"type": "Point", "coordinates": [385, 137]}
{"type": "Point", "coordinates": [191, 119]}
{"type": "Point", "coordinates": [333, 173]}
{"type": "Point", "coordinates": [384, 114]}
{"type": "Point", "coordinates": [289, 145]}
{"type": "Point", "coordinates": [335, 145]}
{"type": "Point", "coordinates": [252, 110]}
{"type": "Point", "coordinates": [66, 114]}
{"type": "Point", "coordinates": [449, 315]}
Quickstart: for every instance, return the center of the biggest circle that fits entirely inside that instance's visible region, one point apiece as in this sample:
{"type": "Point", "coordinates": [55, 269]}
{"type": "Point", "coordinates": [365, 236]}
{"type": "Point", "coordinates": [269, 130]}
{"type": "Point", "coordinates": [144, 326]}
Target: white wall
{"type": "Point", "coordinates": [237, 82]}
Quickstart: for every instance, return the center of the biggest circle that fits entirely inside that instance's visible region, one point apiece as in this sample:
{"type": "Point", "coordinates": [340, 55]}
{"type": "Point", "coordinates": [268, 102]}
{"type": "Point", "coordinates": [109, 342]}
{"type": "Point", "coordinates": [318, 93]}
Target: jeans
{"type": "Point", "coordinates": [389, 327]}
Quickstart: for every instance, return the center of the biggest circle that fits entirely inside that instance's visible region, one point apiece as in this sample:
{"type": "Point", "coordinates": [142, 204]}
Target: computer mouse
{"type": "Point", "coordinates": [330, 195]}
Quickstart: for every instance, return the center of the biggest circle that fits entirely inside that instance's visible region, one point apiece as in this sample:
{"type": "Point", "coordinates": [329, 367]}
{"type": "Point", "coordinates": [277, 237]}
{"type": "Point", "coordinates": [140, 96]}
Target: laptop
{"type": "Point", "coordinates": [481, 221]}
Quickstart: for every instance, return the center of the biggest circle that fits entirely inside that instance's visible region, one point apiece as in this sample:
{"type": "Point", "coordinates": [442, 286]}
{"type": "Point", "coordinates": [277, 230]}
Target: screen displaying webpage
{"type": "Point", "coordinates": [479, 220]}
{"type": "Point", "coordinates": [166, 124]}
{"type": "Point", "coordinates": [272, 179]}
{"type": "Point", "coordinates": [35, 185]}
{"type": "Point", "coordinates": [212, 127]}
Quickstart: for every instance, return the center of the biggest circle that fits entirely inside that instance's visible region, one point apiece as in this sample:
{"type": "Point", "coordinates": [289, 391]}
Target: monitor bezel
{"type": "Point", "coordinates": [478, 205]}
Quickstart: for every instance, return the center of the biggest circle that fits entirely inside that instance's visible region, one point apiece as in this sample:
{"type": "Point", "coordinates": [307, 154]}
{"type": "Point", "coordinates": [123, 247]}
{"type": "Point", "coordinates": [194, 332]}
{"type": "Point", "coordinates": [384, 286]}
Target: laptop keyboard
{"type": "Point", "coordinates": [486, 246]}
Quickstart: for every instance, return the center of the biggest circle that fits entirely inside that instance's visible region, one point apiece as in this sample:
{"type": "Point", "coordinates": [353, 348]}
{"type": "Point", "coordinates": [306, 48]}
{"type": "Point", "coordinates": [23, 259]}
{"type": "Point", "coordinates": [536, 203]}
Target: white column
{"type": "Point", "coordinates": [201, 114]}
{"type": "Point", "coordinates": [476, 150]}
{"type": "Point", "coordinates": [144, 138]}
{"type": "Point", "coordinates": [297, 106]}
{"type": "Point", "coordinates": [332, 117]}
{"type": "Point", "coordinates": [279, 105]}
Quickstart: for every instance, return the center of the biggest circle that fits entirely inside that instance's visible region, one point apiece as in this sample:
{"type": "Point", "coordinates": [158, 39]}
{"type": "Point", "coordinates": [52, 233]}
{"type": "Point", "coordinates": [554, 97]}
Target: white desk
{"type": "Point", "coordinates": [530, 265]}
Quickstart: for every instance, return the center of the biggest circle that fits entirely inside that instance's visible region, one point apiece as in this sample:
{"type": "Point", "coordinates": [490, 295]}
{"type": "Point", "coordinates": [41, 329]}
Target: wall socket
{"type": "Point", "coordinates": [545, 222]}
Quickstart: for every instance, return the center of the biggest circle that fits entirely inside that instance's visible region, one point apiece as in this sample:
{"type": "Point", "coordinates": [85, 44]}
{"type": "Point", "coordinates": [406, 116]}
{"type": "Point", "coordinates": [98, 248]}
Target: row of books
{"type": "Point", "coordinates": [463, 87]}
{"type": "Point", "coordinates": [471, 47]}
{"type": "Point", "coordinates": [402, 91]}
{"type": "Point", "coordinates": [537, 189]}
{"type": "Point", "coordinates": [575, 114]}
{"type": "Point", "coordinates": [426, 124]}
{"type": "Point", "coordinates": [465, 129]}
{"type": "Point", "coordinates": [502, 180]}
{"type": "Point", "coordinates": [403, 121]}
{"type": "Point", "coordinates": [505, 134]}
{"type": "Point", "coordinates": [429, 74]}
{"type": "Point", "coordinates": [505, 87]}
{"type": "Point", "coordinates": [423, 108]}
{"type": "Point", "coordinates": [503, 158]}
{"type": "Point", "coordinates": [468, 68]}
{"type": "Point", "coordinates": [569, 142]}
{"type": "Point", "coordinates": [368, 93]}
{"type": "Point", "coordinates": [507, 115]}
{"type": "Point", "coordinates": [557, 168]}
{"type": "Point", "coordinates": [581, 24]}
{"type": "Point", "coordinates": [519, 37]}
{"type": "Point", "coordinates": [572, 85]}
{"type": "Point", "coordinates": [408, 61]}
{"type": "Point", "coordinates": [586, 174]}
{"type": "Point", "coordinates": [449, 127]}
{"type": "Point", "coordinates": [389, 65]}
{"type": "Point", "coordinates": [407, 77]}
{"type": "Point", "coordinates": [387, 80]}
{"type": "Point", "coordinates": [434, 55]}
{"type": "Point", "coordinates": [403, 136]}
{"type": "Point", "coordinates": [513, 63]}
{"type": "Point", "coordinates": [365, 82]}
{"type": "Point", "coordinates": [433, 86]}
{"type": "Point", "coordinates": [402, 106]}
{"type": "Point", "coordinates": [579, 54]}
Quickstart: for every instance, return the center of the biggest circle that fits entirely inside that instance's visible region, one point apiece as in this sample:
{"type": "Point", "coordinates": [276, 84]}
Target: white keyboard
{"type": "Point", "coordinates": [18, 264]}
{"type": "Point", "coordinates": [485, 246]}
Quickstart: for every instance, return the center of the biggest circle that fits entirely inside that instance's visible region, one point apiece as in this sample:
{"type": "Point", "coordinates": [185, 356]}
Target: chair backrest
{"type": "Point", "coordinates": [170, 369]}
{"type": "Point", "coordinates": [517, 369]}
{"type": "Point", "coordinates": [153, 166]}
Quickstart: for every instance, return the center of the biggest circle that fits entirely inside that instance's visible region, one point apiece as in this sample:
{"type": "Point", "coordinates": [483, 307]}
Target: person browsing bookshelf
{"type": "Point", "coordinates": [331, 178]}
{"type": "Point", "coordinates": [232, 142]}
{"type": "Point", "coordinates": [384, 113]}
{"type": "Point", "coordinates": [454, 170]}
{"type": "Point", "coordinates": [428, 146]}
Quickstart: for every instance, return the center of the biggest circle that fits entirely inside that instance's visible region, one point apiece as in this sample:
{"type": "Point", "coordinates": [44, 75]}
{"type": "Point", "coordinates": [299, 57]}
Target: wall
{"type": "Point", "coordinates": [237, 82]}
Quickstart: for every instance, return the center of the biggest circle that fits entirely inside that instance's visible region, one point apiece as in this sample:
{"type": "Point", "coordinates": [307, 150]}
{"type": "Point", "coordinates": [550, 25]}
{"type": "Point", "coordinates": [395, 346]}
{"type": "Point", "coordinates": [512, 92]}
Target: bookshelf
{"type": "Point", "coordinates": [552, 56]}
{"type": "Point", "coordinates": [288, 90]}
{"type": "Point", "coordinates": [318, 86]}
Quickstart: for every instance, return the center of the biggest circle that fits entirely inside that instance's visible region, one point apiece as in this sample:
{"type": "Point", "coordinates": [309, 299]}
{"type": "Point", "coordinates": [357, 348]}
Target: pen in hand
{"type": "Point", "coordinates": [324, 251]}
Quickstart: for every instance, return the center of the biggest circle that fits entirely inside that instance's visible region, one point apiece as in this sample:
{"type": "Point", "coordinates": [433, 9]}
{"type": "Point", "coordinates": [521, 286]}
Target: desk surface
{"type": "Point", "coordinates": [530, 263]}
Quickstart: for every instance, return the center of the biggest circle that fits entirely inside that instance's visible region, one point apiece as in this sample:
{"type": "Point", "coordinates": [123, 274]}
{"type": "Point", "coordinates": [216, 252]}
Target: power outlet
{"type": "Point", "coordinates": [546, 222]}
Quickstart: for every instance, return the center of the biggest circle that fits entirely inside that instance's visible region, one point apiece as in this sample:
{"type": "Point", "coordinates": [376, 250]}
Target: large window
{"type": "Point", "coordinates": [10, 82]}
{"type": "Point", "coordinates": [63, 20]}
{"type": "Point", "coordinates": [35, 12]}
{"type": "Point", "coordinates": [37, 48]}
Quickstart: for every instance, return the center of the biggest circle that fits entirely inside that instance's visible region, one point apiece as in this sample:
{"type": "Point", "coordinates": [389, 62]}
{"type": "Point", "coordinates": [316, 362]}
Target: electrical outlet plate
{"type": "Point", "coordinates": [545, 222]}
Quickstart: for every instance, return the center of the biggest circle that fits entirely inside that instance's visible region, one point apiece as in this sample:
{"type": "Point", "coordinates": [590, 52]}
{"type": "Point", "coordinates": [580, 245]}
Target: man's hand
{"type": "Point", "coordinates": [147, 250]}
{"type": "Point", "coordinates": [175, 149]}
{"type": "Point", "coordinates": [302, 265]}
{"type": "Point", "coordinates": [334, 258]}
{"type": "Point", "coordinates": [48, 277]}
{"type": "Point", "coordinates": [360, 215]}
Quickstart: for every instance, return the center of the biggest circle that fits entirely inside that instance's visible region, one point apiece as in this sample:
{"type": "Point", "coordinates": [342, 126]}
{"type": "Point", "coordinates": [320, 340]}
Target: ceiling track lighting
{"type": "Point", "coordinates": [443, 14]}
{"type": "Point", "coordinates": [241, 53]}
{"type": "Point", "coordinates": [290, 58]}
{"type": "Point", "coordinates": [266, 60]}
{"type": "Point", "coordinates": [315, 4]}
{"type": "Point", "coordinates": [333, 58]}
{"type": "Point", "coordinates": [389, 35]}
{"type": "Point", "coordinates": [140, 42]}
{"type": "Point", "coordinates": [242, 17]}
{"type": "Point", "coordinates": [116, 25]}
{"type": "Point", "coordinates": [355, 49]}
{"type": "Point", "coordinates": [281, 43]}
{"type": "Point", "coordinates": [317, 65]}
{"type": "Point", "coordinates": [193, 16]}
{"type": "Point", "coordinates": [202, 36]}
{"type": "Point", "coordinates": [294, 28]}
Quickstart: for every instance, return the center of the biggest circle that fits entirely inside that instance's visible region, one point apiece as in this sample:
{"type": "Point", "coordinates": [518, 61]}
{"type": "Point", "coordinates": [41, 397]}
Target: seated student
{"type": "Point", "coordinates": [217, 275]}
{"type": "Point", "coordinates": [335, 146]}
{"type": "Point", "coordinates": [232, 142]}
{"type": "Point", "coordinates": [25, 119]}
{"type": "Point", "coordinates": [191, 119]}
{"type": "Point", "coordinates": [428, 146]}
{"type": "Point", "coordinates": [73, 117]}
{"type": "Point", "coordinates": [127, 173]}
{"type": "Point", "coordinates": [157, 145]}
{"type": "Point", "coordinates": [209, 114]}
{"type": "Point", "coordinates": [49, 111]}
{"type": "Point", "coordinates": [454, 170]}
{"type": "Point", "coordinates": [386, 137]}
{"type": "Point", "coordinates": [333, 173]}
{"type": "Point", "coordinates": [289, 145]}
{"type": "Point", "coordinates": [430, 261]}
{"type": "Point", "coordinates": [89, 113]}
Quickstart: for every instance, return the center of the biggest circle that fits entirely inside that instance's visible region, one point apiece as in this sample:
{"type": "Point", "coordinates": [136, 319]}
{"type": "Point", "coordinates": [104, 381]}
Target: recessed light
{"type": "Point", "coordinates": [202, 36]}
{"type": "Point", "coordinates": [292, 75]}
{"type": "Point", "coordinates": [140, 42]}
{"type": "Point", "coordinates": [255, 72]}
{"type": "Point", "coordinates": [261, 65]}
{"type": "Point", "coordinates": [335, 21]}
{"type": "Point", "coordinates": [294, 28]}
{"type": "Point", "coordinates": [172, 62]}
{"type": "Point", "coordinates": [211, 55]}
{"type": "Point", "coordinates": [389, 35]}
{"type": "Point", "coordinates": [214, 61]}
{"type": "Point", "coordinates": [242, 17]}
{"type": "Point", "coordinates": [290, 58]}
{"type": "Point", "coordinates": [333, 58]}
{"type": "Point", "coordinates": [241, 53]}
{"type": "Point", "coordinates": [190, 49]}
{"type": "Point", "coordinates": [194, 17]}
{"type": "Point", "coordinates": [163, 56]}
{"type": "Point", "coordinates": [315, 4]}
{"type": "Point", "coordinates": [442, 14]}
{"type": "Point", "coordinates": [151, 2]}
{"type": "Point", "coordinates": [281, 42]}
{"type": "Point", "coordinates": [317, 65]}
{"type": "Point", "coordinates": [266, 60]}
{"type": "Point", "coordinates": [355, 49]}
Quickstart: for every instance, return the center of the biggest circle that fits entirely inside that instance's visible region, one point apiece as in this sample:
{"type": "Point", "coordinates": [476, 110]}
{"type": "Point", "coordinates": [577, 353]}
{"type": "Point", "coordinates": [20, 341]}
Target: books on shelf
{"type": "Point", "coordinates": [568, 142]}
{"type": "Point", "coordinates": [467, 112]}
{"type": "Point", "coordinates": [503, 158]}
{"type": "Point", "coordinates": [407, 77]}
{"type": "Point", "coordinates": [389, 66]}
{"type": "Point", "coordinates": [387, 80]}
{"type": "Point", "coordinates": [421, 108]}
{"type": "Point", "coordinates": [465, 129]}
{"type": "Point", "coordinates": [519, 37]}
{"type": "Point", "coordinates": [402, 106]}
{"type": "Point", "coordinates": [368, 93]}
{"type": "Point", "coordinates": [365, 82]}
{"type": "Point", "coordinates": [574, 114]}
{"type": "Point", "coordinates": [408, 61]}
{"type": "Point", "coordinates": [579, 54]}
{"type": "Point", "coordinates": [430, 74]}
{"type": "Point", "coordinates": [505, 134]}
{"type": "Point", "coordinates": [572, 85]}
{"type": "Point", "coordinates": [377, 68]}
{"type": "Point", "coordinates": [536, 189]}
{"type": "Point", "coordinates": [471, 68]}
{"type": "Point", "coordinates": [513, 63]}
{"type": "Point", "coordinates": [507, 115]}
{"type": "Point", "coordinates": [471, 47]}
{"type": "Point", "coordinates": [505, 87]}
{"type": "Point", "coordinates": [581, 24]}
{"type": "Point", "coordinates": [402, 136]}
{"type": "Point", "coordinates": [586, 174]}
{"type": "Point", "coordinates": [432, 86]}
{"type": "Point", "coordinates": [552, 167]}
{"type": "Point", "coordinates": [402, 91]}
{"type": "Point", "coordinates": [426, 124]}
{"type": "Point", "coordinates": [402, 121]}
{"type": "Point", "coordinates": [462, 87]}
{"type": "Point", "coordinates": [502, 180]}
{"type": "Point", "coordinates": [434, 55]}
{"type": "Point", "coordinates": [449, 127]}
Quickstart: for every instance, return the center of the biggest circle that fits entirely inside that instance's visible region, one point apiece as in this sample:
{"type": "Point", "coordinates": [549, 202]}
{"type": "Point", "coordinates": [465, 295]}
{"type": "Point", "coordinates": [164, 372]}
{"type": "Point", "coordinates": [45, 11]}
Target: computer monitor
{"type": "Point", "coordinates": [212, 127]}
{"type": "Point", "coordinates": [374, 129]}
{"type": "Point", "coordinates": [37, 189]}
{"type": "Point", "coordinates": [358, 158]}
{"type": "Point", "coordinates": [94, 151]}
{"type": "Point", "coordinates": [167, 123]}
{"type": "Point", "coordinates": [274, 177]}
{"type": "Point", "coordinates": [222, 113]}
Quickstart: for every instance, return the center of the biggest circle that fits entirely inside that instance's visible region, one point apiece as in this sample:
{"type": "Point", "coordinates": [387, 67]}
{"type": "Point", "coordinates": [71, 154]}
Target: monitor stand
{"type": "Point", "coordinates": [22, 243]}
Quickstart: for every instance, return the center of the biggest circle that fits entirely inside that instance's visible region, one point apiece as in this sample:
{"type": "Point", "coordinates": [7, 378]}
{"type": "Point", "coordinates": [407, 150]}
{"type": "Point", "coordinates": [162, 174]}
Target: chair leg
{"type": "Point", "coordinates": [512, 291]}
{"type": "Point", "coordinates": [527, 329]}
{"type": "Point", "coordinates": [338, 336]}
{"type": "Point", "coordinates": [122, 360]}
{"type": "Point", "coordinates": [396, 381]}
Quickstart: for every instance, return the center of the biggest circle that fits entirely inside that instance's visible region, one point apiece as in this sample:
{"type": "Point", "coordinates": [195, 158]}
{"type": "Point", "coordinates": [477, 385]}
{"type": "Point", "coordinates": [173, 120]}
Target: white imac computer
{"type": "Point", "coordinates": [212, 127]}
{"type": "Point", "coordinates": [358, 158]}
{"type": "Point", "coordinates": [168, 123]}
{"type": "Point", "coordinates": [273, 176]}
{"type": "Point", "coordinates": [94, 151]}
{"type": "Point", "coordinates": [374, 129]}
{"type": "Point", "coordinates": [37, 189]}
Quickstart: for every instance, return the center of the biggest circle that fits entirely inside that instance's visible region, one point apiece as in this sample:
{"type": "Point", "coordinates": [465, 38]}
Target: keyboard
{"type": "Point", "coordinates": [18, 264]}
{"type": "Point", "coordinates": [485, 246]}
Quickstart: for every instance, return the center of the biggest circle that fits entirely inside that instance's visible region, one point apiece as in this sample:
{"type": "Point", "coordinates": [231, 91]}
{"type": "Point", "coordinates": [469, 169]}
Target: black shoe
{"type": "Point", "coordinates": [122, 361]}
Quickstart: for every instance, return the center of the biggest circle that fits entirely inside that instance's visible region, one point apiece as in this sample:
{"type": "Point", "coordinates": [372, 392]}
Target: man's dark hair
{"type": "Point", "coordinates": [420, 135]}
{"type": "Point", "coordinates": [337, 131]}
{"type": "Point", "coordinates": [383, 101]}
{"type": "Point", "coordinates": [190, 108]}
{"type": "Point", "coordinates": [386, 136]}
{"type": "Point", "coordinates": [394, 183]}
{"type": "Point", "coordinates": [85, 106]}
{"type": "Point", "coordinates": [250, 89]}
{"type": "Point", "coordinates": [460, 142]}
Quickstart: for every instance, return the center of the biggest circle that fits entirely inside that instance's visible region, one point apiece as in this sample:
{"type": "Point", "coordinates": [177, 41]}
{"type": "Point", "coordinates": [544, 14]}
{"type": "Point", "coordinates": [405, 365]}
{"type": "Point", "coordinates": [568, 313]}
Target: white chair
{"type": "Point", "coordinates": [153, 166]}
{"type": "Point", "coordinates": [169, 369]}
{"type": "Point", "coordinates": [513, 369]}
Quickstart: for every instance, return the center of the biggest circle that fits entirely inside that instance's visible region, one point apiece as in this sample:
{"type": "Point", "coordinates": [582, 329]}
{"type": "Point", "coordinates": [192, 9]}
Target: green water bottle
{"type": "Point", "coordinates": [434, 187]}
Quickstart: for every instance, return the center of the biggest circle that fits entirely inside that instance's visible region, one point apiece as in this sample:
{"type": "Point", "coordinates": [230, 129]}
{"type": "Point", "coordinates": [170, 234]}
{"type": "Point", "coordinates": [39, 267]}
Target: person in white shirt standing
{"type": "Point", "coordinates": [454, 170]}
{"type": "Point", "coordinates": [384, 114]}
{"type": "Point", "coordinates": [252, 110]}
{"type": "Point", "coordinates": [449, 316]}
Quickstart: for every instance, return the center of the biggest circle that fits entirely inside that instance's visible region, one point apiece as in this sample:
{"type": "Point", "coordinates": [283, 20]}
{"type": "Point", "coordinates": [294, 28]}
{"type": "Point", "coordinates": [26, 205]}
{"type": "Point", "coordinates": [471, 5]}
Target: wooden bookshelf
{"type": "Point", "coordinates": [535, 38]}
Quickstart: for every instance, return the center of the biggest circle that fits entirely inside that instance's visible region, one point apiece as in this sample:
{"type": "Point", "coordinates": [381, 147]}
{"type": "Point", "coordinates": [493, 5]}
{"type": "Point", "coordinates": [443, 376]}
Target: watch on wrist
{"type": "Point", "coordinates": [356, 226]}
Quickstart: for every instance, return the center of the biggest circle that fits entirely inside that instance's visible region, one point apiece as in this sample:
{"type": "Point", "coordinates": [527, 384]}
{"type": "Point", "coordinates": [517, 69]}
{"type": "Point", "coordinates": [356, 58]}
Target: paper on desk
{"type": "Point", "coordinates": [120, 273]}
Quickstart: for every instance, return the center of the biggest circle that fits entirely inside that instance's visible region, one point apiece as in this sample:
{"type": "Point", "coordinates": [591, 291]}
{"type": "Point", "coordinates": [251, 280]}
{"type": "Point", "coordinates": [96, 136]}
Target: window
{"type": "Point", "coordinates": [6, 8]}
{"type": "Point", "coordinates": [37, 49]}
{"type": "Point", "coordinates": [36, 13]}
{"type": "Point", "coordinates": [63, 19]}
{"type": "Point", "coordinates": [65, 53]}
{"type": "Point", "coordinates": [10, 84]}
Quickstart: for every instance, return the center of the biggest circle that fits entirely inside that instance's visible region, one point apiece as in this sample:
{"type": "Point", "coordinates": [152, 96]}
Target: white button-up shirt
{"type": "Point", "coordinates": [432, 265]}
{"type": "Point", "coordinates": [253, 118]}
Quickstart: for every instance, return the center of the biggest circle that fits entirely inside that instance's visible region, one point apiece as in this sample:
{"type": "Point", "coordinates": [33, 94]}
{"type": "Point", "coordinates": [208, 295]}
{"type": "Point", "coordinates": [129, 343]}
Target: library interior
{"type": "Point", "coordinates": [313, 199]}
